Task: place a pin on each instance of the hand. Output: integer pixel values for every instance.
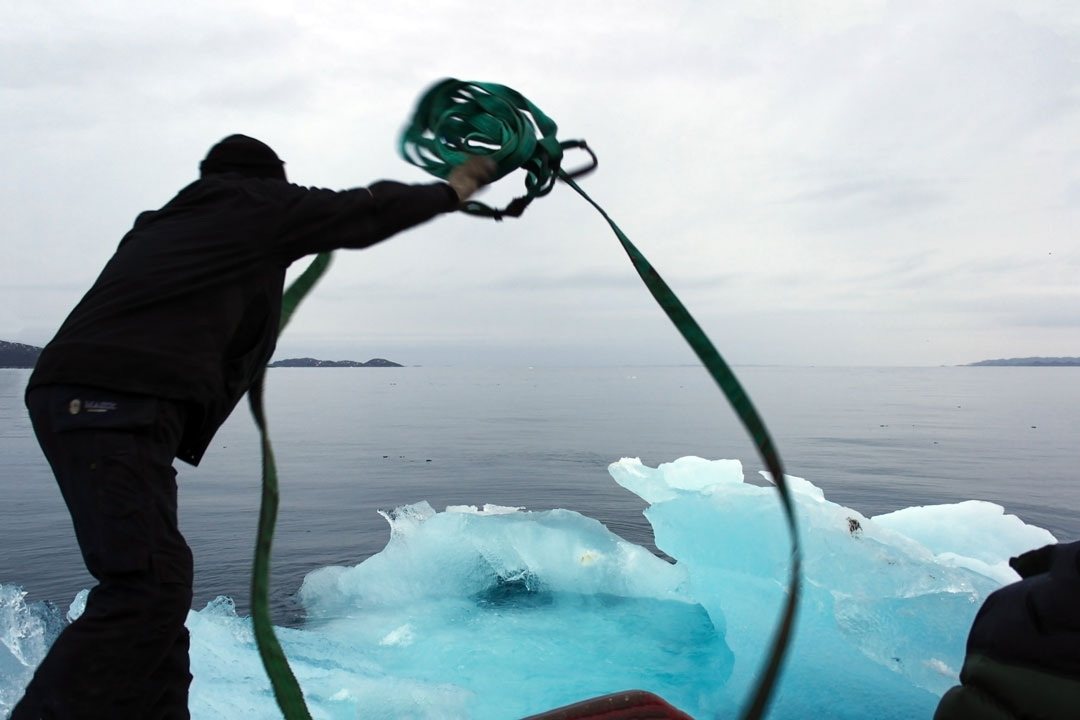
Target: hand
(469, 176)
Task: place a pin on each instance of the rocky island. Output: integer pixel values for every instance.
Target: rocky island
(1029, 362)
(17, 355)
(312, 362)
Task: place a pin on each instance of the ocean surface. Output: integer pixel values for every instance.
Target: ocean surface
(351, 441)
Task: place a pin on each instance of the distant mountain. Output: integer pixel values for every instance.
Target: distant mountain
(312, 362)
(17, 355)
(1029, 362)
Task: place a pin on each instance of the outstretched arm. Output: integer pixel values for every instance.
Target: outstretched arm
(318, 220)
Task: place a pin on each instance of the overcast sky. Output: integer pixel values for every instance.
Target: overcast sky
(826, 183)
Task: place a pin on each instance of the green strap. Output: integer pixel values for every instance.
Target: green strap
(455, 118)
(287, 691)
(755, 426)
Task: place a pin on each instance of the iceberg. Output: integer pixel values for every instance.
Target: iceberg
(26, 632)
(499, 612)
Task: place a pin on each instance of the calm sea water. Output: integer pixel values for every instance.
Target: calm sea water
(352, 440)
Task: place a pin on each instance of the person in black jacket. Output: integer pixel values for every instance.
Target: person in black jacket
(145, 369)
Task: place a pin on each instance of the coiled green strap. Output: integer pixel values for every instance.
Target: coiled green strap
(456, 118)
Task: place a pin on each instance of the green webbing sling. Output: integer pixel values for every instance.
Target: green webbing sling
(453, 120)
(287, 691)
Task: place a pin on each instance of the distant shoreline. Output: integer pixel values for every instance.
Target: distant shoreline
(21, 356)
(1029, 362)
(18, 356)
(312, 362)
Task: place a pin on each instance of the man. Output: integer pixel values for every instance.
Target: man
(145, 369)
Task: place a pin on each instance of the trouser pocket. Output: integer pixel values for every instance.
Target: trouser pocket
(124, 522)
(101, 447)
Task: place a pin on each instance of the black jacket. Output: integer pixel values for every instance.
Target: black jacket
(1023, 652)
(189, 305)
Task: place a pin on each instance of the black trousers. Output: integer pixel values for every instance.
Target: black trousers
(127, 655)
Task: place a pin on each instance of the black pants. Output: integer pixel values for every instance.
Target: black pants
(127, 655)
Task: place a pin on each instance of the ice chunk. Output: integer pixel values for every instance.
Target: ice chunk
(973, 534)
(26, 632)
(673, 479)
(488, 509)
(462, 554)
(870, 590)
(496, 612)
(480, 615)
(78, 605)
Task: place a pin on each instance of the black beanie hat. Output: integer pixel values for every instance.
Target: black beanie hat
(244, 155)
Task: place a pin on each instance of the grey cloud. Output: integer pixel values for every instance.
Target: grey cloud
(289, 94)
(901, 176)
(599, 279)
(1050, 315)
(1072, 194)
(868, 199)
(58, 52)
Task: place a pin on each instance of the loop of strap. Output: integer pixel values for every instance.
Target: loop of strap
(453, 120)
(456, 119)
